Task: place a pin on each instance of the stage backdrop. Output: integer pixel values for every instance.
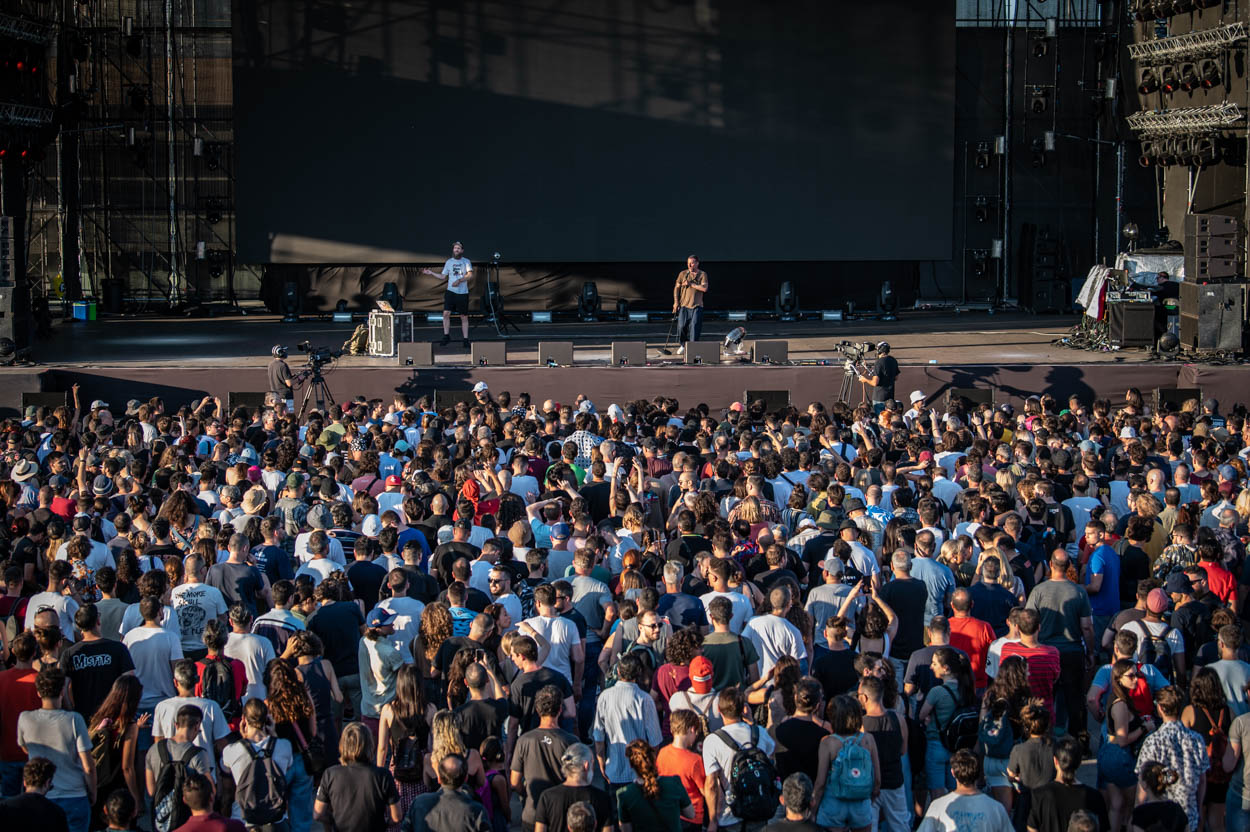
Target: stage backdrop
(601, 130)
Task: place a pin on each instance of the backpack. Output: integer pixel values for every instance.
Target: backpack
(261, 791)
(753, 791)
(995, 733)
(409, 753)
(217, 684)
(1156, 650)
(962, 730)
(850, 777)
(168, 810)
(14, 621)
(1217, 744)
(645, 651)
(106, 751)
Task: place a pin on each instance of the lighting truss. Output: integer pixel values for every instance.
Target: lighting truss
(1189, 120)
(24, 115)
(1191, 44)
(22, 29)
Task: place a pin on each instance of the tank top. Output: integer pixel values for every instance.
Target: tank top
(318, 685)
(888, 736)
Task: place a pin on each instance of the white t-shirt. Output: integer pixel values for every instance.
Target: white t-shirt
(454, 269)
(133, 619)
(718, 757)
(334, 554)
(98, 557)
(152, 649)
(195, 604)
(512, 604)
(65, 608)
(741, 606)
(562, 634)
(774, 637)
(319, 569)
(254, 652)
(213, 726)
(956, 812)
(407, 613)
(236, 758)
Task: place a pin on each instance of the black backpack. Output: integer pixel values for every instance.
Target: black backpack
(409, 755)
(1155, 649)
(261, 791)
(168, 810)
(217, 684)
(753, 790)
(963, 729)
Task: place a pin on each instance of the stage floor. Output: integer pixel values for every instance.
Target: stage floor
(180, 359)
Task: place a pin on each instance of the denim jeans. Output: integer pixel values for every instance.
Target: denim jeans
(891, 811)
(11, 778)
(590, 684)
(689, 323)
(937, 766)
(350, 686)
(1236, 814)
(300, 796)
(77, 813)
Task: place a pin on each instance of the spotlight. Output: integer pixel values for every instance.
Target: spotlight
(622, 309)
(390, 294)
(1169, 343)
(588, 302)
(1188, 76)
(1204, 150)
(1131, 232)
(1210, 72)
(888, 302)
(213, 212)
(733, 341)
(341, 315)
(1182, 6)
(979, 264)
(983, 156)
(1149, 81)
(1170, 81)
(289, 303)
(1039, 100)
(787, 301)
(1040, 48)
(1038, 149)
(982, 210)
(1149, 153)
(1168, 152)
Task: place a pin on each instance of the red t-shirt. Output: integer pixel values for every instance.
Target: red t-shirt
(974, 637)
(17, 694)
(212, 822)
(63, 507)
(688, 766)
(237, 670)
(1220, 581)
(1043, 662)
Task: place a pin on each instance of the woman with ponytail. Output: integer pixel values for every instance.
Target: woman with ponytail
(1123, 731)
(1158, 812)
(651, 802)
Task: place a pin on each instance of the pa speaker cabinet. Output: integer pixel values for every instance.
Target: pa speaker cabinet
(558, 353)
(251, 401)
(770, 352)
(702, 352)
(972, 395)
(1211, 247)
(1131, 324)
(773, 400)
(629, 353)
(489, 353)
(1172, 399)
(49, 400)
(1212, 316)
(444, 399)
(1215, 225)
(416, 354)
(1210, 268)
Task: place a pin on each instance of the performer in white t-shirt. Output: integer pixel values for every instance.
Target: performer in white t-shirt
(456, 271)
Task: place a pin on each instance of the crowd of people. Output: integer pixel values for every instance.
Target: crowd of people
(652, 616)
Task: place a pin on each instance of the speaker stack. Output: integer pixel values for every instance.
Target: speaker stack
(1213, 296)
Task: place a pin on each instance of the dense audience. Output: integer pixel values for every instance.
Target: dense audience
(651, 617)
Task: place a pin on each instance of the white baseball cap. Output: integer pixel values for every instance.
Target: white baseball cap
(916, 396)
(480, 387)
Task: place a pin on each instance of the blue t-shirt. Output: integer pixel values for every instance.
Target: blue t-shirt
(1104, 561)
(682, 610)
(1155, 680)
(938, 580)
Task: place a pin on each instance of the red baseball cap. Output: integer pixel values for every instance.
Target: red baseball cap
(701, 672)
(393, 480)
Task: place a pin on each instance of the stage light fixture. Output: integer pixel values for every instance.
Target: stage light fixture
(1040, 48)
(888, 301)
(588, 302)
(1206, 4)
(341, 315)
(1169, 152)
(638, 317)
(979, 265)
(289, 304)
(1204, 150)
(1182, 6)
(1149, 155)
(787, 301)
(1039, 100)
(622, 309)
(733, 341)
(1209, 69)
(1188, 76)
(737, 315)
(540, 317)
(213, 212)
(1038, 149)
(981, 211)
(1143, 10)
(1149, 81)
(1169, 81)
(983, 156)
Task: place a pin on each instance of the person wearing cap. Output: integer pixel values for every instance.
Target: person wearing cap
(392, 499)
(700, 697)
(481, 392)
(916, 400)
(1189, 615)
(1163, 638)
(378, 661)
(881, 377)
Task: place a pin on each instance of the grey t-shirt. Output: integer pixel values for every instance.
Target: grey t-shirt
(1239, 785)
(201, 762)
(59, 736)
(537, 757)
(1234, 676)
(1061, 605)
(1034, 762)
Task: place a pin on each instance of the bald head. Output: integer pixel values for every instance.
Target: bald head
(451, 771)
(961, 601)
(475, 677)
(481, 626)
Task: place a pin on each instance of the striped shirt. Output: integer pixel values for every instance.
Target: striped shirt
(1043, 662)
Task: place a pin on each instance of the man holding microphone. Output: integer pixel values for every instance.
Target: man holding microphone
(688, 302)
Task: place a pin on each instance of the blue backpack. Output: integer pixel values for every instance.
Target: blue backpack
(995, 733)
(850, 778)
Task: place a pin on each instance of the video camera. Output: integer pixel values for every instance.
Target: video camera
(855, 350)
(318, 356)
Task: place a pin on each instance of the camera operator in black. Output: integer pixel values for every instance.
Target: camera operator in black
(884, 374)
(281, 385)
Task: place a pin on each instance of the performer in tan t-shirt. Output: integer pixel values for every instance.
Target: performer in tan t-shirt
(688, 302)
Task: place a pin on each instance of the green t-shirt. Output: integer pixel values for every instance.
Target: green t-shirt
(725, 654)
(661, 815)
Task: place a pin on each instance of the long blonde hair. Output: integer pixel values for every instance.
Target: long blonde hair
(1006, 578)
(445, 738)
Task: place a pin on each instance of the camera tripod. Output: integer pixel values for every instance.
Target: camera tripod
(317, 391)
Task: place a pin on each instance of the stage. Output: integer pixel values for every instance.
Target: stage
(179, 359)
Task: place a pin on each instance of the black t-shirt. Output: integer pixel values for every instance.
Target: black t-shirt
(421, 586)
(793, 826)
(886, 371)
(279, 373)
(358, 795)
(92, 667)
(768, 580)
(554, 805)
(907, 598)
(597, 500)
(447, 554)
(481, 718)
(579, 621)
(526, 686)
(338, 626)
(238, 582)
(835, 670)
(1054, 803)
(366, 578)
(453, 645)
(1194, 622)
(1164, 816)
(686, 548)
(1134, 567)
(798, 745)
(34, 811)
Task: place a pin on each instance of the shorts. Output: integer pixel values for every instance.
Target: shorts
(996, 772)
(1116, 766)
(455, 303)
(851, 814)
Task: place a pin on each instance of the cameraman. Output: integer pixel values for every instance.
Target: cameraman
(281, 383)
(884, 374)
